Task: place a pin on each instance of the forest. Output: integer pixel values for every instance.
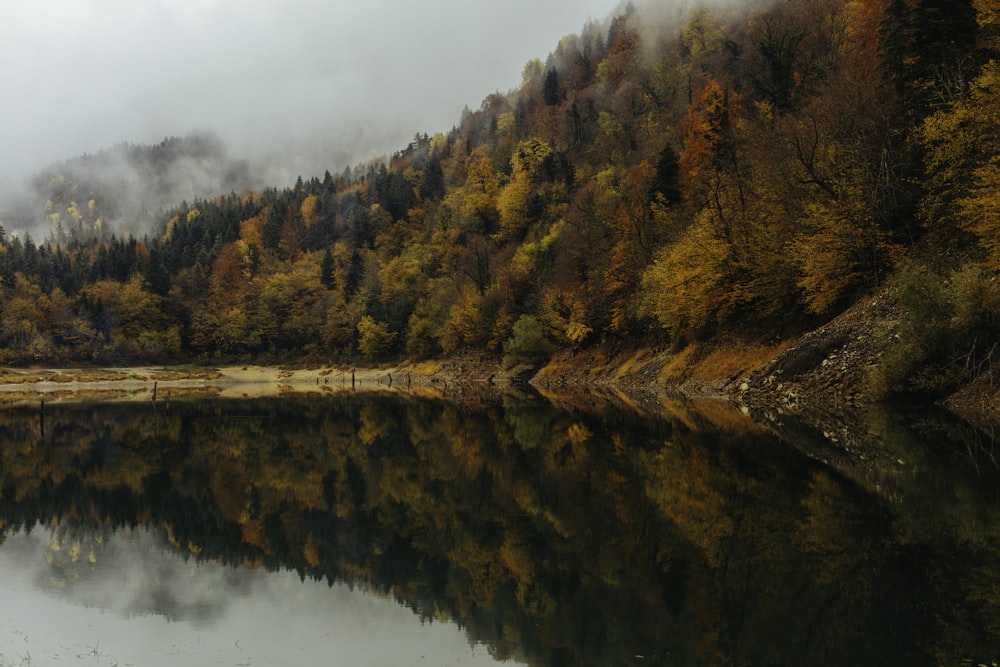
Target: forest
(659, 179)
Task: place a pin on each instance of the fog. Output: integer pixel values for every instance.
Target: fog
(110, 598)
(302, 85)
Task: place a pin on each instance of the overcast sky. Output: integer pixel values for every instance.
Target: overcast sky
(82, 75)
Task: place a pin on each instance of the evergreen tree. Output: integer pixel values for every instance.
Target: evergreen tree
(275, 223)
(924, 46)
(155, 274)
(432, 184)
(550, 88)
(667, 181)
(326, 269)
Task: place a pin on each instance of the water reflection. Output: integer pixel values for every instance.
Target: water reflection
(556, 537)
(126, 597)
(127, 572)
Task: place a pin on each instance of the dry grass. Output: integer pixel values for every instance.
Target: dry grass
(734, 359)
(679, 364)
(632, 363)
(8, 378)
(189, 392)
(65, 394)
(586, 363)
(426, 367)
(92, 377)
(175, 375)
(95, 376)
(14, 377)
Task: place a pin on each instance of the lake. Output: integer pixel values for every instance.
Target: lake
(393, 529)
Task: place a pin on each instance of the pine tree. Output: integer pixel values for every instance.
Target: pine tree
(155, 274)
(924, 48)
(326, 269)
(668, 174)
(550, 88)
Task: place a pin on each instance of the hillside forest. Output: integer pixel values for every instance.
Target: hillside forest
(660, 179)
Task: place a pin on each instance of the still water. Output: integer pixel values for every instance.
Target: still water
(387, 529)
(123, 598)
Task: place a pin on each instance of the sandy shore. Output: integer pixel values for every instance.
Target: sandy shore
(146, 383)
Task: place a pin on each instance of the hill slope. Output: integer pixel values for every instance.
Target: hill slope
(656, 182)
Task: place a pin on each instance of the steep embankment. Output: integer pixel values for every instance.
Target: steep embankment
(826, 369)
(817, 388)
(828, 372)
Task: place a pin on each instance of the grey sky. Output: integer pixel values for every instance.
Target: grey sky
(82, 75)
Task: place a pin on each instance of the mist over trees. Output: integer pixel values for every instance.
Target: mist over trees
(657, 178)
(124, 189)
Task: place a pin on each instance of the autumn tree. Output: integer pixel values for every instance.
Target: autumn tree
(475, 201)
(519, 203)
(924, 46)
(962, 160)
(374, 338)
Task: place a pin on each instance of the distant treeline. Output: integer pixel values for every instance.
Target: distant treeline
(653, 181)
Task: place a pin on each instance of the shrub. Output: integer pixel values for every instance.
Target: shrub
(947, 334)
(528, 343)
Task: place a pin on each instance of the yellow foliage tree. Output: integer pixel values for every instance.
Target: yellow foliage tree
(374, 338)
(475, 201)
(689, 281)
(514, 201)
(139, 310)
(464, 326)
(310, 210)
(963, 160)
(252, 229)
(831, 256)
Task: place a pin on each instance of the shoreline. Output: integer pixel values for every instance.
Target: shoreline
(144, 383)
(818, 377)
(839, 433)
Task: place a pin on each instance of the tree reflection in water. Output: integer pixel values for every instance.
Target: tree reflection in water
(561, 537)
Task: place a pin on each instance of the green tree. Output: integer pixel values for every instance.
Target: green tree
(528, 344)
(326, 270)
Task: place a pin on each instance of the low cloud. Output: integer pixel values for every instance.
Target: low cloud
(312, 83)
